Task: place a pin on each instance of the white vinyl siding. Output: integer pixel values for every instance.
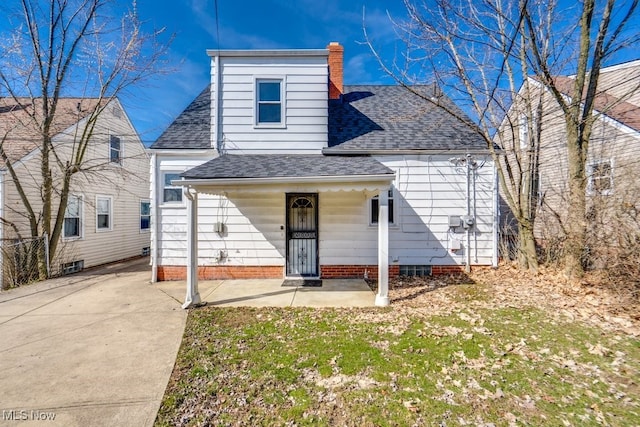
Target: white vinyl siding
(429, 189)
(304, 105)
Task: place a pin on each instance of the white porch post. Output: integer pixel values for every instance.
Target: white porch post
(382, 298)
(193, 296)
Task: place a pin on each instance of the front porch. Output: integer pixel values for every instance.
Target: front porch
(271, 293)
(290, 228)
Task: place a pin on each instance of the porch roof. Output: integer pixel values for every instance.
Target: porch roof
(257, 167)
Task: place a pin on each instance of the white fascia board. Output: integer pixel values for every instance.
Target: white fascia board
(329, 151)
(282, 180)
(182, 151)
(271, 53)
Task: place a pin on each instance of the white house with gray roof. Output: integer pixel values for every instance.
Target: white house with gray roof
(278, 170)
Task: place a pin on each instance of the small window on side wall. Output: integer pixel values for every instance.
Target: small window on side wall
(103, 213)
(269, 102)
(145, 215)
(73, 218)
(171, 193)
(115, 149)
(375, 206)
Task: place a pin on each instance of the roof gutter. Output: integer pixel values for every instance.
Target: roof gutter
(182, 151)
(283, 180)
(342, 152)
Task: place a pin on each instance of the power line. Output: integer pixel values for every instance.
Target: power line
(217, 26)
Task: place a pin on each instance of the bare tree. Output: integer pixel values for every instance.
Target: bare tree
(68, 48)
(481, 52)
(595, 34)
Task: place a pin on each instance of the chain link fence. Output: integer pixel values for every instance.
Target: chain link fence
(24, 261)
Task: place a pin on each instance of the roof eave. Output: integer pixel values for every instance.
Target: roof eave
(350, 152)
(284, 180)
(271, 53)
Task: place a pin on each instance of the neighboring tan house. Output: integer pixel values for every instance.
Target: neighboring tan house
(613, 165)
(108, 213)
(284, 172)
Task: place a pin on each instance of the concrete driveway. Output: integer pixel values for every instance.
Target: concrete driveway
(88, 350)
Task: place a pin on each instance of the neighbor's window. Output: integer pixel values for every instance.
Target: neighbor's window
(145, 215)
(375, 207)
(269, 102)
(171, 193)
(72, 217)
(115, 149)
(523, 128)
(103, 213)
(600, 176)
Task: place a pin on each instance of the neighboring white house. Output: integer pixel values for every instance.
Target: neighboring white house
(107, 217)
(285, 172)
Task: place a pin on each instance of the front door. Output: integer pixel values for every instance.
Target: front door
(302, 235)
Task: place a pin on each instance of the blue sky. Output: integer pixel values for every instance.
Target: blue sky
(264, 24)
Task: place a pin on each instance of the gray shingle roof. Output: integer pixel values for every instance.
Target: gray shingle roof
(286, 165)
(373, 117)
(368, 118)
(192, 128)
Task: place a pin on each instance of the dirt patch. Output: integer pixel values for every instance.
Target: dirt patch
(613, 307)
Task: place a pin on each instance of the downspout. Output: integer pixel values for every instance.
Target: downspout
(467, 267)
(154, 218)
(496, 217)
(192, 299)
(2, 236)
(215, 104)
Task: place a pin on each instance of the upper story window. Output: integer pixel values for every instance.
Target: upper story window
(115, 149)
(171, 193)
(375, 205)
(269, 105)
(600, 177)
(73, 217)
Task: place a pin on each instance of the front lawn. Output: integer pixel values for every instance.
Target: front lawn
(452, 356)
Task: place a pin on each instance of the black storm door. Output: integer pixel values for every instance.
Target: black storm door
(302, 235)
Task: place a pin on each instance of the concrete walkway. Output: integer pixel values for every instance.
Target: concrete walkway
(98, 348)
(271, 293)
(94, 349)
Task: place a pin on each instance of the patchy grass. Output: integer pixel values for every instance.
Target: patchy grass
(473, 364)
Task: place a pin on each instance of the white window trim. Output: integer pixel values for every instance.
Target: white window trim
(590, 189)
(161, 188)
(523, 132)
(393, 197)
(283, 102)
(81, 217)
(144, 230)
(110, 198)
(121, 162)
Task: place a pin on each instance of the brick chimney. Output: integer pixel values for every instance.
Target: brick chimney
(336, 74)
